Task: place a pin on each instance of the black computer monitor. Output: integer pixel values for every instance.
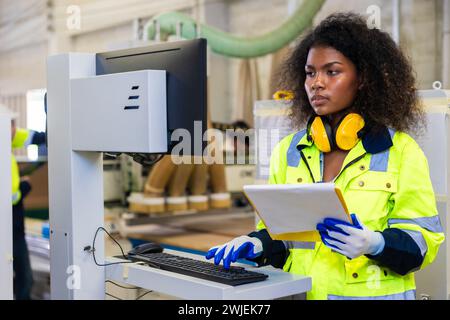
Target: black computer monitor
(185, 64)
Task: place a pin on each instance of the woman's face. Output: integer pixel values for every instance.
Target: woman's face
(331, 80)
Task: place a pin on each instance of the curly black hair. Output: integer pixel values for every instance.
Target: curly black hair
(388, 96)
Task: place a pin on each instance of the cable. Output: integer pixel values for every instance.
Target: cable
(108, 264)
(132, 288)
(138, 298)
(120, 286)
(112, 296)
(93, 249)
(143, 294)
(146, 159)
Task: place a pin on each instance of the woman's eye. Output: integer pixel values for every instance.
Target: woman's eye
(309, 74)
(333, 72)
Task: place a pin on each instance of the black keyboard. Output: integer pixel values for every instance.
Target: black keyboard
(200, 269)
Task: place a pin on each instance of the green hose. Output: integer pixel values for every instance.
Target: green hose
(231, 46)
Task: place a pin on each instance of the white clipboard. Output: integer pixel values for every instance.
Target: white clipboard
(292, 211)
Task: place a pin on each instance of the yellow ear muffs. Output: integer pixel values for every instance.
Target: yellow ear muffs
(344, 137)
(347, 131)
(320, 132)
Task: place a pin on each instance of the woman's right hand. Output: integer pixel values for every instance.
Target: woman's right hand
(238, 248)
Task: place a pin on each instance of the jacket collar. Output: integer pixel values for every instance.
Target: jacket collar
(372, 142)
(378, 141)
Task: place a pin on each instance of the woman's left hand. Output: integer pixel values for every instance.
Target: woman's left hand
(350, 240)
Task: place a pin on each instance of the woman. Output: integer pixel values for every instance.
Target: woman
(355, 91)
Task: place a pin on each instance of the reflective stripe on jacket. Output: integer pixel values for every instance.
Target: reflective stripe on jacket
(387, 184)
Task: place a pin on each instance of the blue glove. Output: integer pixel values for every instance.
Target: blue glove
(332, 224)
(238, 248)
(350, 240)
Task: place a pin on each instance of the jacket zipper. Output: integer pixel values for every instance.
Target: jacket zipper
(307, 166)
(349, 164)
(346, 166)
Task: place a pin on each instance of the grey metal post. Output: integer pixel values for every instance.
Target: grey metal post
(75, 189)
(6, 270)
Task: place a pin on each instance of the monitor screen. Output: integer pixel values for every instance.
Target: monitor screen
(185, 64)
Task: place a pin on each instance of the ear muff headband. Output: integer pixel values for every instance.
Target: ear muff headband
(345, 137)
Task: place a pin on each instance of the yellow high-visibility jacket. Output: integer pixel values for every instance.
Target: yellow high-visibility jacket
(21, 139)
(384, 180)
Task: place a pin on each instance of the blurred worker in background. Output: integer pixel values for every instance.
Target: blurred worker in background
(23, 278)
